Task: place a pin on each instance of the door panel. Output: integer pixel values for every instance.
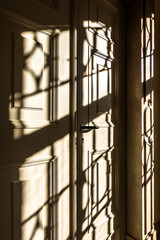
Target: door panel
(98, 194)
(34, 120)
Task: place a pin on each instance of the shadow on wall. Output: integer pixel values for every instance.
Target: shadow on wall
(147, 66)
(38, 135)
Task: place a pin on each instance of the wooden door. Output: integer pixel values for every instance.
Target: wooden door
(99, 115)
(34, 119)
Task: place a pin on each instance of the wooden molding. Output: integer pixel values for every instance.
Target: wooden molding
(129, 237)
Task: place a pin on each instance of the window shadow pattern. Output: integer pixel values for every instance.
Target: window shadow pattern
(34, 141)
(97, 203)
(96, 171)
(147, 63)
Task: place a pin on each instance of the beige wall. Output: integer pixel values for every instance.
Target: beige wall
(134, 94)
(140, 145)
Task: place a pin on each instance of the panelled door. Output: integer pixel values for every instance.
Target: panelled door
(34, 119)
(98, 112)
